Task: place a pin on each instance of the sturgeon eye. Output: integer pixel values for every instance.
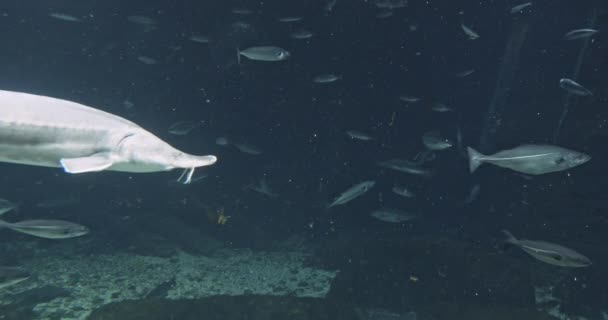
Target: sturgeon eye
(560, 160)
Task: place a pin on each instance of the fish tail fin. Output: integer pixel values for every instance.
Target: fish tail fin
(510, 237)
(474, 159)
(238, 55)
(4, 224)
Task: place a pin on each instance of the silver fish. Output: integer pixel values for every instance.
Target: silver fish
(354, 134)
(290, 19)
(530, 159)
(406, 166)
(472, 35)
(222, 141)
(264, 53)
(247, 148)
(408, 98)
(12, 275)
(326, 78)
(353, 192)
(263, 188)
(64, 17)
(465, 73)
(403, 191)
(440, 107)
(199, 38)
(383, 14)
(391, 4)
(147, 60)
(392, 215)
(49, 229)
(520, 7)
(473, 194)
(433, 141)
(580, 34)
(574, 88)
(301, 34)
(6, 206)
(182, 128)
(549, 252)
(141, 20)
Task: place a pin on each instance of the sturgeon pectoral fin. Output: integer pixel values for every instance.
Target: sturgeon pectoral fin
(96, 162)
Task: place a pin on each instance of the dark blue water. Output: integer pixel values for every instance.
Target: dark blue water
(449, 263)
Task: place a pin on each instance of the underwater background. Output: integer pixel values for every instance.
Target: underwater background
(253, 236)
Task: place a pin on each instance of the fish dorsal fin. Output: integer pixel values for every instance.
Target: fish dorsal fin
(96, 162)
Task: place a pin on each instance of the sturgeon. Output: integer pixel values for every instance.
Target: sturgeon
(49, 132)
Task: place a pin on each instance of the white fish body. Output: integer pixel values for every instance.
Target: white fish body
(530, 159)
(403, 191)
(44, 131)
(64, 17)
(49, 229)
(520, 7)
(392, 215)
(580, 34)
(574, 87)
(471, 34)
(358, 135)
(264, 53)
(550, 252)
(353, 192)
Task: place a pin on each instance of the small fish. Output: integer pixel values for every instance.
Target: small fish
(405, 166)
(301, 34)
(403, 191)
(49, 229)
(141, 20)
(64, 17)
(247, 148)
(290, 19)
(329, 6)
(465, 73)
(383, 14)
(549, 252)
(408, 98)
(326, 78)
(530, 159)
(242, 11)
(440, 107)
(574, 88)
(199, 38)
(520, 7)
(264, 53)
(6, 206)
(182, 128)
(391, 4)
(147, 60)
(222, 141)
(473, 194)
(580, 34)
(263, 188)
(472, 35)
(358, 135)
(12, 275)
(353, 192)
(433, 141)
(392, 215)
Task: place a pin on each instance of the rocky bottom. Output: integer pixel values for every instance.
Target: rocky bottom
(72, 287)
